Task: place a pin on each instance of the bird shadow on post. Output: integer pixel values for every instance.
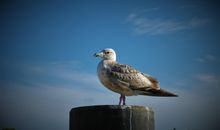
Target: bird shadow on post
(111, 117)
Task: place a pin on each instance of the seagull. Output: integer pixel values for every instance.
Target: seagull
(126, 80)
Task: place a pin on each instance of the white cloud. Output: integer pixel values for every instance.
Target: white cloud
(154, 26)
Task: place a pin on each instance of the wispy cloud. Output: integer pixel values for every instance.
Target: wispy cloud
(49, 102)
(64, 72)
(54, 74)
(154, 26)
(207, 58)
(187, 6)
(46, 92)
(211, 79)
(137, 12)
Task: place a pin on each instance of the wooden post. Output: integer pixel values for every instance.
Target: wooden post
(111, 117)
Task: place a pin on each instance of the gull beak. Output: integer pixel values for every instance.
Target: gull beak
(98, 54)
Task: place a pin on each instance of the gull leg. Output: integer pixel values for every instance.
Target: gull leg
(123, 98)
(120, 99)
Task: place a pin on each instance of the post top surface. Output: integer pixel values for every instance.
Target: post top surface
(117, 107)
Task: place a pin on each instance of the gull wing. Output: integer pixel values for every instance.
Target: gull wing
(132, 78)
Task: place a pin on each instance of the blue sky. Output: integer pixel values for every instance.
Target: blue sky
(47, 64)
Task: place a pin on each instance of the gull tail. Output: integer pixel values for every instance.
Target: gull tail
(160, 93)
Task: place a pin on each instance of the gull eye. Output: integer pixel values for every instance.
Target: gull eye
(107, 52)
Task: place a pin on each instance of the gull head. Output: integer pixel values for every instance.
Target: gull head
(106, 54)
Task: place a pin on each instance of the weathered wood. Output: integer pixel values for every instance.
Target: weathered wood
(111, 117)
